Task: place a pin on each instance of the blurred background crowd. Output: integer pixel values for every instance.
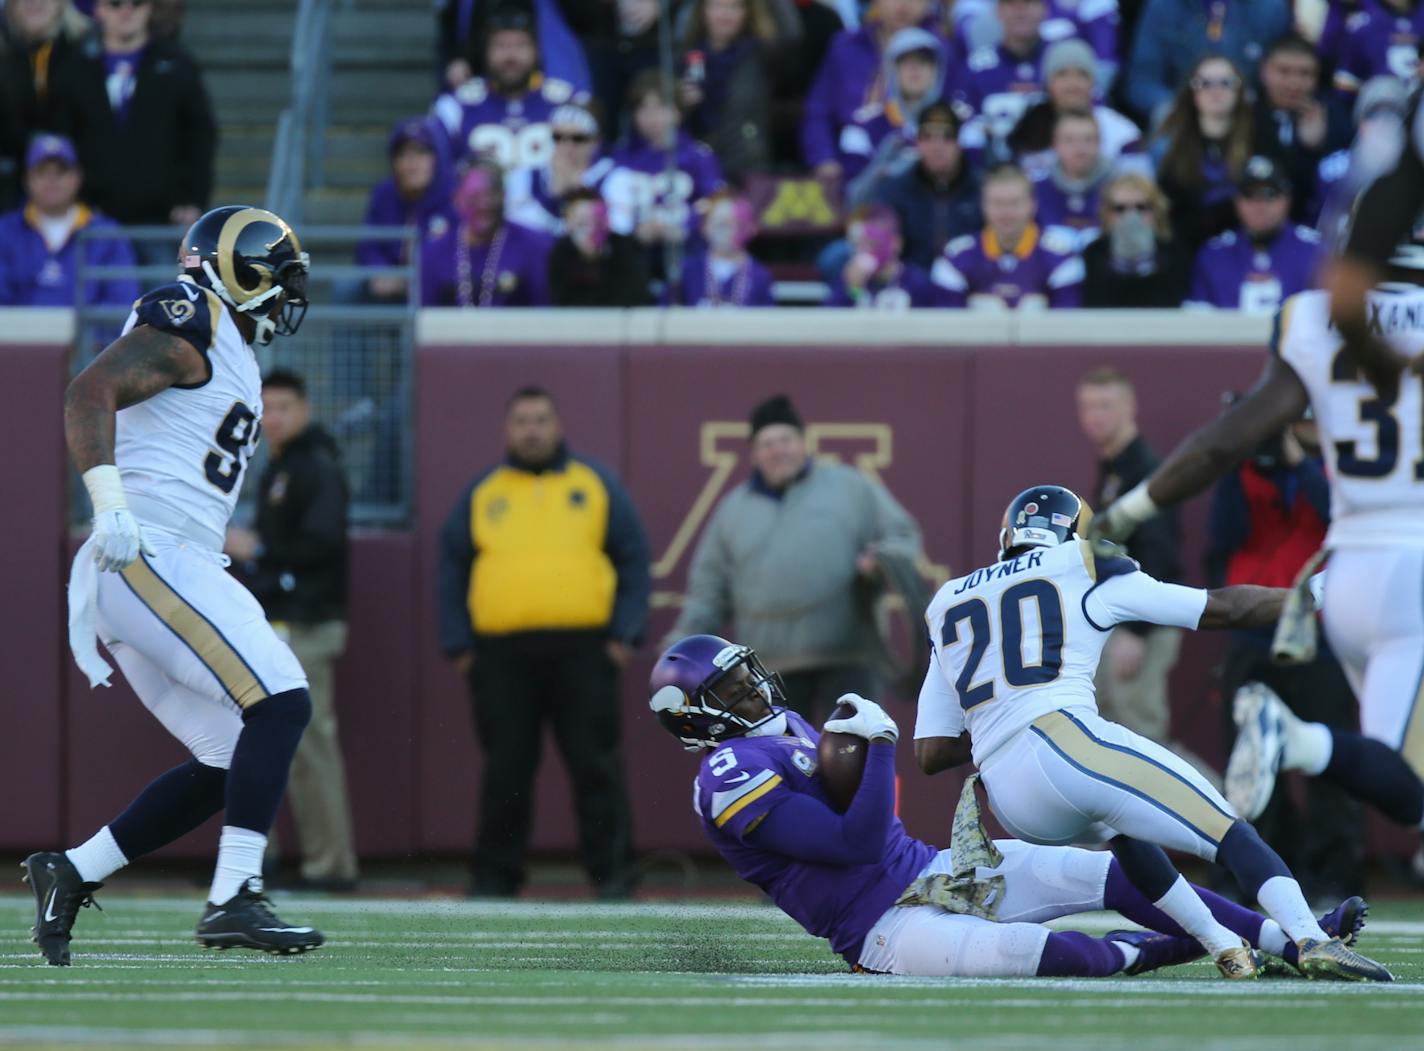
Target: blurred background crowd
(989, 154)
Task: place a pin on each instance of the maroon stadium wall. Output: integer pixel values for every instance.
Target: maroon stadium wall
(954, 432)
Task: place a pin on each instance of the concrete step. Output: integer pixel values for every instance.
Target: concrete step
(331, 206)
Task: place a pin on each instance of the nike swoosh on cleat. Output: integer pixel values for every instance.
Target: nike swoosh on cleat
(286, 930)
(49, 917)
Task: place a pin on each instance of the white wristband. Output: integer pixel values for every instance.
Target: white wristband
(106, 489)
(1136, 504)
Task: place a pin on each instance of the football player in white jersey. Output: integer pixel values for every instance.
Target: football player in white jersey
(1373, 441)
(161, 425)
(1014, 648)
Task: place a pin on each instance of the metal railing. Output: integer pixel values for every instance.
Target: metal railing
(299, 146)
(353, 350)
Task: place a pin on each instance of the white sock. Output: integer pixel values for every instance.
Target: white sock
(1281, 897)
(1273, 939)
(1308, 747)
(1130, 953)
(239, 859)
(1185, 906)
(98, 858)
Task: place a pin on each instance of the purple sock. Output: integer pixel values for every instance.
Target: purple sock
(1070, 954)
(1121, 896)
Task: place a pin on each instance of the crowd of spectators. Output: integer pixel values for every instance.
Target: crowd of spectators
(988, 154)
(104, 119)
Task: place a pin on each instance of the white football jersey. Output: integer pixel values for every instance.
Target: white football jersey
(181, 453)
(1374, 450)
(1022, 637)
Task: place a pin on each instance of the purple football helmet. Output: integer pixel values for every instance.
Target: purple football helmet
(683, 691)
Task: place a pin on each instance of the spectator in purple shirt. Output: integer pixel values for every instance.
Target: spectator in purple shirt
(1135, 262)
(880, 136)
(39, 244)
(1381, 40)
(463, 26)
(1255, 267)
(936, 198)
(535, 196)
(851, 77)
(999, 83)
(875, 276)
(484, 260)
(726, 275)
(416, 194)
(1095, 22)
(1012, 265)
(1069, 71)
(505, 115)
(731, 52)
(1067, 194)
(590, 265)
(1202, 148)
(644, 198)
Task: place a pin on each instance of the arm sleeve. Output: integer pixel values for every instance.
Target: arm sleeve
(321, 532)
(1136, 596)
(708, 603)
(802, 827)
(457, 559)
(818, 131)
(627, 547)
(939, 713)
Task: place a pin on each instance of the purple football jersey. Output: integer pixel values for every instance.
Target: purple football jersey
(741, 782)
(1095, 22)
(1070, 209)
(514, 132)
(862, 138)
(707, 283)
(1378, 42)
(511, 270)
(1232, 273)
(1042, 269)
(999, 85)
(639, 186)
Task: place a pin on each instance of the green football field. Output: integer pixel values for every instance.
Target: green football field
(428, 973)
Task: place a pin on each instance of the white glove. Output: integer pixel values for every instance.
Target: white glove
(869, 721)
(117, 537)
(117, 540)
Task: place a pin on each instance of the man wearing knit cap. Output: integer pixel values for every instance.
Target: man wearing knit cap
(784, 557)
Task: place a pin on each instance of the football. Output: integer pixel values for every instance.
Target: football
(840, 762)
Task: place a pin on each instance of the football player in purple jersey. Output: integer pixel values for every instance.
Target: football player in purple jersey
(887, 902)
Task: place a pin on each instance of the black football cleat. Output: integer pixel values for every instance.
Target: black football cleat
(60, 892)
(246, 921)
(1346, 920)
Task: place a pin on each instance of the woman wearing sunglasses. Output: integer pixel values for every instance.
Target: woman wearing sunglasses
(1135, 262)
(1202, 148)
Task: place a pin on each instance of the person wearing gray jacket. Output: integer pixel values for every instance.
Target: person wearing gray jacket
(789, 558)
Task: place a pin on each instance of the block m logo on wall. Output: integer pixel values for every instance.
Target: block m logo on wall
(722, 449)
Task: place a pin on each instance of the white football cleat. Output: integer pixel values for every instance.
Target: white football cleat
(1256, 757)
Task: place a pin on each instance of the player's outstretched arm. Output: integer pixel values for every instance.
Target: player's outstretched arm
(1243, 606)
(133, 368)
(1279, 398)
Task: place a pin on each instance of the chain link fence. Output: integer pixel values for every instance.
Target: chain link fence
(354, 350)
